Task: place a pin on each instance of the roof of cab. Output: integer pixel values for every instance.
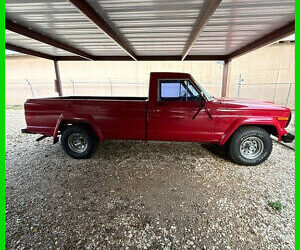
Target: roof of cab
(170, 74)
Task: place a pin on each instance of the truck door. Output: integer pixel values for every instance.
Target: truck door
(177, 105)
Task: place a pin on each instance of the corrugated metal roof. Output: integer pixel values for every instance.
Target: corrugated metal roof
(238, 22)
(152, 27)
(28, 43)
(149, 27)
(62, 21)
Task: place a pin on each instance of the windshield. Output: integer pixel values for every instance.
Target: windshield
(203, 91)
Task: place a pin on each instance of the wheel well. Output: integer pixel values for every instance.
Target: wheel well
(269, 128)
(63, 125)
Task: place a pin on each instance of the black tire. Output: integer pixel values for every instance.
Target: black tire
(84, 135)
(250, 145)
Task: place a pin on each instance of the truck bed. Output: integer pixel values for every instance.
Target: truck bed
(116, 117)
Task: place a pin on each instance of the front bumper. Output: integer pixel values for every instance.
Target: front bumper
(288, 138)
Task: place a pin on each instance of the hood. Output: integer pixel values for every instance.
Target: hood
(250, 104)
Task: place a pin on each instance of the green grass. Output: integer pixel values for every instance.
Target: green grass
(276, 205)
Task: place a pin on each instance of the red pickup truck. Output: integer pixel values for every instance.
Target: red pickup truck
(177, 109)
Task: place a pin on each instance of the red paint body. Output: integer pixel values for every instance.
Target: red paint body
(152, 119)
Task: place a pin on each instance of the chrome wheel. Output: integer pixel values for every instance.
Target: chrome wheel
(78, 142)
(251, 147)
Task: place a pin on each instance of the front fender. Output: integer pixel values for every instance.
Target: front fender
(252, 121)
(82, 118)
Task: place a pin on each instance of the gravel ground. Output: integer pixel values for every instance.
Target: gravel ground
(141, 195)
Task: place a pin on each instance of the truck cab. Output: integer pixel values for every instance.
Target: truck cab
(176, 110)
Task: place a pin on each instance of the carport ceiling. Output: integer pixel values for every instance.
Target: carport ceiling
(145, 29)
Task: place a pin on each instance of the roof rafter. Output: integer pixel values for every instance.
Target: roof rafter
(265, 40)
(98, 20)
(24, 31)
(28, 51)
(209, 8)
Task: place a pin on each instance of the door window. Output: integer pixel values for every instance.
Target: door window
(177, 90)
(172, 90)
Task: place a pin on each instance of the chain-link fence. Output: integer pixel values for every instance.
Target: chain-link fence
(105, 87)
(264, 87)
(241, 87)
(18, 91)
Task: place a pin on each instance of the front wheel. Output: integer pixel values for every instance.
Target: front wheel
(250, 146)
(78, 142)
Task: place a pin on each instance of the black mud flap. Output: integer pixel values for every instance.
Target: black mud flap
(55, 140)
(41, 138)
(288, 138)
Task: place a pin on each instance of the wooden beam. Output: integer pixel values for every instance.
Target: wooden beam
(28, 51)
(58, 87)
(25, 31)
(98, 20)
(265, 40)
(147, 58)
(209, 8)
(226, 77)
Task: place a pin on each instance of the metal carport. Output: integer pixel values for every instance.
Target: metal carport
(145, 29)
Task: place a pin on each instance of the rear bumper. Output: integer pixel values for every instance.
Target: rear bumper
(288, 138)
(25, 130)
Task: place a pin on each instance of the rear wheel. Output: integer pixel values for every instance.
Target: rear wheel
(78, 142)
(250, 145)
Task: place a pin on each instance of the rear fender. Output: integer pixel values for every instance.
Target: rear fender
(67, 118)
(252, 121)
